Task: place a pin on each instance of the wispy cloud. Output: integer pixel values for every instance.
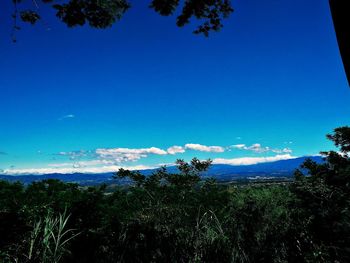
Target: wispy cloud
(252, 160)
(284, 150)
(175, 149)
(238, 146)
(110, 159)
(86, 163)
(68, 116)
(3, 153)
(258, 148)
(204, 148)
(72, 169)
(119, 155)
(101, 166)
(73, 155)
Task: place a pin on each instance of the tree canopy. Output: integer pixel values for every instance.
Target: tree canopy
(104, 13)
(178, 217)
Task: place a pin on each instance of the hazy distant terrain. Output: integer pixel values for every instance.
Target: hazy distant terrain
(221, 172)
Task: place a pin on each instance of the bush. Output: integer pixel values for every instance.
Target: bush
(177, 217)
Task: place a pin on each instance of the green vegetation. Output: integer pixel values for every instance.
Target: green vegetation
(179, 218)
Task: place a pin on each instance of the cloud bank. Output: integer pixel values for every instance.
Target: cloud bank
(72, 169)
(204, 148)
(119, 155)
(105, 167)
(252, 160)
(103, 160)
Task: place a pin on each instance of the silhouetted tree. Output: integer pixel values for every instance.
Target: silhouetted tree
(323, 199)
(177, 217)
(104, 13)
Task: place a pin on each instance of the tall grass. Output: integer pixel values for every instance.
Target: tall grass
(47, 242)
(208, 234)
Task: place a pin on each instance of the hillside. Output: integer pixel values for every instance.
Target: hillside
(221, 172)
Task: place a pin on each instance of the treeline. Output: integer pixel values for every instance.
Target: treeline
(179, 218)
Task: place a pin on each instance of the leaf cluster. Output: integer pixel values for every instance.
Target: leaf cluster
(104, 13)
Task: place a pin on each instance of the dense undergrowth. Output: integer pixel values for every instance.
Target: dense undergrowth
(179, 218)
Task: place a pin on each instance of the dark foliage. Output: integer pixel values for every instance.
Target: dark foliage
(104, 13)
(169, 217)
(323, 195)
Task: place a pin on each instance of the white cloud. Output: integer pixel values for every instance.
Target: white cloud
(110, 159)
(68, 116)
(258, 148)
(238, 146)
(252, 160)
(111, 151)
(75, 154)
(204, 148)
(108, 156)
(175, 149)
(82, 163)
(284, 150)
(90, 167)
(127, 154)
(76, 169)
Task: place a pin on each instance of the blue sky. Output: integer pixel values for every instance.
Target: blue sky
(269, 86)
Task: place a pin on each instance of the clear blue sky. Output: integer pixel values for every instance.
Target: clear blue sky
(84, 98)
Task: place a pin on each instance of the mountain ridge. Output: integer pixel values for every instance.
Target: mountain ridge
(221, 172)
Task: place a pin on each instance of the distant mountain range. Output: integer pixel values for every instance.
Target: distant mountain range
(221, 172)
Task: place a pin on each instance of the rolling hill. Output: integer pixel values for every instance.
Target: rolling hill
(221, 172)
